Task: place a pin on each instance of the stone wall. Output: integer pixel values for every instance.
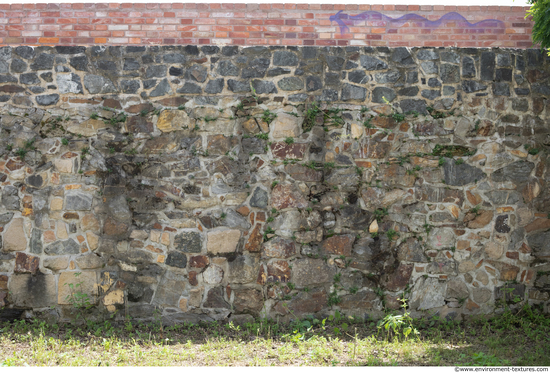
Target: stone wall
(206, 182)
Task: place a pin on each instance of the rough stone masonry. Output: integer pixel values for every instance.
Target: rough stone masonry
(201, 183)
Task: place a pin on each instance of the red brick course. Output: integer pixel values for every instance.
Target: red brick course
(255, 24)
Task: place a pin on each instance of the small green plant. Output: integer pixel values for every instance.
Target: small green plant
(395, 324)
(380, 213)
(21, 153)
(64, 141)
(391, 234)
(77, 298)
(459, 161)
(223, 215)
(268, 116)
(475, 210)
(94, 116)
(262, 136)
(9, 147)
(289, 140)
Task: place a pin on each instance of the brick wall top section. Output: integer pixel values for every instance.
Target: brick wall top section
(265, 24)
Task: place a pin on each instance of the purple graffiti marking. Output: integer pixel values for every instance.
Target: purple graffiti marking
(344, 20)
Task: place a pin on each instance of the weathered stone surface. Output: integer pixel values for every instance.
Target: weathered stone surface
(90, 261)
(27, 290)
(213, 275)
(397, 280)
(220, 242)
(479, 219)
(287, 196)
(244, 269)
(285, 125)
(174, 120)
(428, 293)
(279, 248)
(248, 301)
(307, 272)
(188, 242)
(76, 201)
(338, 245)
(88, 285)
(411, 251)
(14, 238)
(461, 174)
(63, 247)
(26, 263)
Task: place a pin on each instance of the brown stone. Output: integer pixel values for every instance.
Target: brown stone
(220, 144)
(113, 227)
(370, 148)
(137, 109)
(308, 271)
(286, 125)
(384, 122)
(397, 280)
(26, 263)
(173, 120)
(243, 210)
(538, 224)
(471, 305)
(278, 271)
(287, 195)
(283, 150)
(279, 247)
(304, 303)
(248, 301)
(198, 261)
(479, 220)
(508, 272)
(139, 124)
(255, 240)
(89, 222)
(302, 173)
(250, 126)
(363, 300)
(193, 278)
(87, 285)
(173, 101)
(71, 216)
(338, 245)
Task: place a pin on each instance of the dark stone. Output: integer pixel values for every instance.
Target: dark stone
(214, 299)
(401, 55)
(470, 86)
(448, 90)
(30, 78)
(42, 62)
(388, 77)
(210, 49)
(129, 86)
(503, 75)
(18, 66)
(150, 83)
(468, 67)
(46, 100)
(501, 89)
(501, 224)
(522, 91)
(449, 73)
(372, 63)
(36, 241)
(449, 56)
(427, 54)
(430, 94)
(155, 71)
(328, 95)
(434, 82)
(47, 77)
(238, 86)
(131, 64)
(335, 63)
(352, 92)
(291, 84)
(461, 174)
(517, 172)
(430, 67)
(79, 63)
(410, 105)
(313, 83)
(192, 50)
(259, 198)
(107, 66)
(358, 76)
(379, 93)
(300, 97)
(197, 73)
(176, 259)
(332, 79)
(230, 51)
(412, 77)
(190, 88)
(188, 242)
(9, 79)
(214, 86)
(277, 71)
(487, 65)
(264, 87)
(285, 58)
(62, 49)
(175, 71)
(409, 91)
(25, 52)
(162, 88)
(174, 58)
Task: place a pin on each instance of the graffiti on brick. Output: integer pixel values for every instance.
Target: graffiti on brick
(344, 20)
